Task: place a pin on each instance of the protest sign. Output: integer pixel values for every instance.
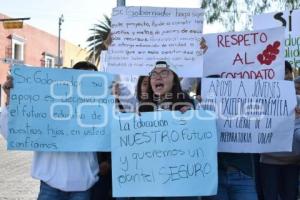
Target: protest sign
(254, 116)
(289, 20)
(59, 110)
(249, 55)
(164, 154)
(143, 35)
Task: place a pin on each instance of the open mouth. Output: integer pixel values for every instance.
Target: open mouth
(159, 86)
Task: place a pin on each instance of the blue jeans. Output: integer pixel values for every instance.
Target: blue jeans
(234, 185)
(279, 180)
(49, 193)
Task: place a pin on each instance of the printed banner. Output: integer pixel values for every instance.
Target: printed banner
(143, 35)
(59, 110)
(164, 154)
(247, 55)
(289, 20)
(254, 116)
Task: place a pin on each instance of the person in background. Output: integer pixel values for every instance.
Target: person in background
(142, 88)
(289, 75)
(280, 171)
(129, 103)
(288, 72)
(63, 176)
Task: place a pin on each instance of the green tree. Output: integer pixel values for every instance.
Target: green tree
(231, 12)
(96, 44)
(291, 4)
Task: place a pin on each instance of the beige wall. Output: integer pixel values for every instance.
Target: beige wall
(73, 54)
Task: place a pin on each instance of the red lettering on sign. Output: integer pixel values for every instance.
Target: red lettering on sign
(246, 39)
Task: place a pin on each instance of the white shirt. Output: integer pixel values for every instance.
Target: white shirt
(63, 171)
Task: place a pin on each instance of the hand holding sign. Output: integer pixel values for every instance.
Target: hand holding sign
(8, 84)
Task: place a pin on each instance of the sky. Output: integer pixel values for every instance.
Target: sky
(79, 15)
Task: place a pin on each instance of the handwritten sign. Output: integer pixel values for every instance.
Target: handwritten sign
(289, 20)
(253, 115)
(247, 55)
(143, 35)
(59, 110)
(164, 154)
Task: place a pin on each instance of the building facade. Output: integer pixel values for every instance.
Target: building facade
(34, 47)
(73, 53)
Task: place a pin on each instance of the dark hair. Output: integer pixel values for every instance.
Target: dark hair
(288, 67)
(178, 96)
(139, 87)
(85, 65)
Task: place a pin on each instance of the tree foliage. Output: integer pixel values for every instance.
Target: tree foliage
(230, 12)
(99, 33)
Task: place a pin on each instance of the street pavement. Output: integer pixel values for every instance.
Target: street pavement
(15, 180)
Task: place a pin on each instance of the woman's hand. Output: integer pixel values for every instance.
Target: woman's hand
(8, 84)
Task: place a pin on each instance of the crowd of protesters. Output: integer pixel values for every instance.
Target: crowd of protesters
(244, 176)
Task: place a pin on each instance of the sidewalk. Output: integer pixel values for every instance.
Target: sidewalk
(15, 180)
